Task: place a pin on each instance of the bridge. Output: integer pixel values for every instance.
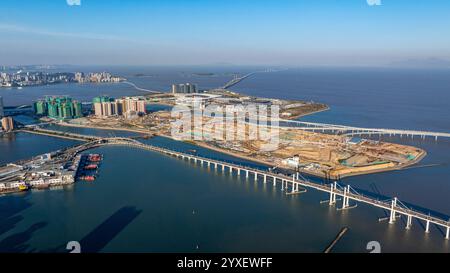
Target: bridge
(353, 131)
(141, 89)
(295, 185)
(238, 79)
(60, 134)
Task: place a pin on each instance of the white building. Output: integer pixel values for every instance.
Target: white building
(292, 162)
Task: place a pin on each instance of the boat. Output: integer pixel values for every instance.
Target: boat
(91, 167)
(95, 158)
(88, 178)
(23, 187)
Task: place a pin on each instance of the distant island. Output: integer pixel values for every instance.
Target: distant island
(204, 74)
(143, 75)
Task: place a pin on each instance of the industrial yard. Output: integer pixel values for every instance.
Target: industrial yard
(61, 168)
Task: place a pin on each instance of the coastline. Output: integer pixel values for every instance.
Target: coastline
(262, 162)
(311, 113)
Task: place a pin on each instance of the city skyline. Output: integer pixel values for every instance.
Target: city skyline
(213, 32)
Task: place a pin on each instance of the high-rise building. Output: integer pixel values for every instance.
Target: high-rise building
(8, 124)
(52, 110)
(175, 88)
(108, 108)
(77, 109)
(2, 111)
(58, 108)
(66, 110)
(105, 106)
(134, 104)
(40, 108)
(184, 88)
(98, 109)
(120, 107)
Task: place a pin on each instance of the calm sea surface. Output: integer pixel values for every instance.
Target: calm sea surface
(146, 202)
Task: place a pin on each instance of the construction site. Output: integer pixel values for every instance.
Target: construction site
(325, 155)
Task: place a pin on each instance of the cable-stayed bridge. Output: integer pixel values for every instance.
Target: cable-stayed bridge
(297, 184)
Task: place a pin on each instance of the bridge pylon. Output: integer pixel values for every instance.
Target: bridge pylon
(393, 205)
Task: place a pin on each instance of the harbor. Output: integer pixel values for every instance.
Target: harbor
(59, 168)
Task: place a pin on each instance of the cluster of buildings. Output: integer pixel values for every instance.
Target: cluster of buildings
(61, 108)
(21, 79)
(102, 77)
(128, 106)
(186, 88)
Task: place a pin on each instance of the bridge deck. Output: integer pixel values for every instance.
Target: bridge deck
(304, 183)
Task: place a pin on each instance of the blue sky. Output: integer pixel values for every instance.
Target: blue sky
(275, 32)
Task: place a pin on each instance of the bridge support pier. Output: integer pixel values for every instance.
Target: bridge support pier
(447, 234)
(265, 179)
(427, 228)
(246, 173)
(348, 198)
(256, 176)
(294, 187)
(274, 181)
(409, 222)
(332, 194)
(282, 185)
(345, 201)
(238, 172)
(231, 169)
(392, 216)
